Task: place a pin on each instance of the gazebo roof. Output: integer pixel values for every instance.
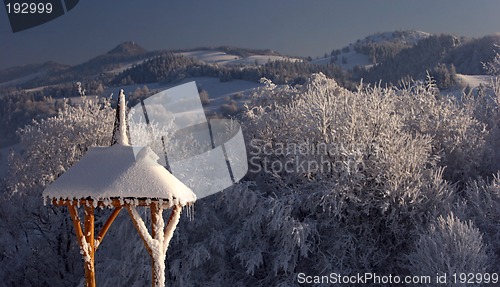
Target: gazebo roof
(119, 171)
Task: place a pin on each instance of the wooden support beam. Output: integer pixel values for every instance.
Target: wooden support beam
(159, 238)
(156, 232)
(89, 238)
(141, 228)
(173, 220)
(83, 237)
(76, 223)
(106, 226)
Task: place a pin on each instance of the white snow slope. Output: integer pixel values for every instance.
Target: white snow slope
(222, 58)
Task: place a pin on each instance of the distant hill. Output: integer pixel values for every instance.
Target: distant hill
(387, 56)
(128, 49)
(413, 61)
(392, 56)
(373, 49)
(408, 37)
(35, 91)
(469, 56)
(101, 68)
(17, 75)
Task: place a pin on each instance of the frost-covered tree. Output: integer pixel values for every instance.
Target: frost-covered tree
(450, 246)
(36, 244)
(339, 181)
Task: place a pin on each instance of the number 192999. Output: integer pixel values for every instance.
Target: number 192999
(29, 8)
(475, 278)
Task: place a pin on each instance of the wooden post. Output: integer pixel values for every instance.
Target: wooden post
(106, 226)
(87, 248)
(157, 242)
(89, 238)
(157, 234)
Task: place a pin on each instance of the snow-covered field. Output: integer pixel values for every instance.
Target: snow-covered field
(473, 80)
(408, 37)
(222, 58)
(346, 60)
(219, 92)
(125, 67)
(21, 80)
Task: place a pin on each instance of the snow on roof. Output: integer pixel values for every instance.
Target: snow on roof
(119, 171)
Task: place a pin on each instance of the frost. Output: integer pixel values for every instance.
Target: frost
(158, 245)
(122, 132)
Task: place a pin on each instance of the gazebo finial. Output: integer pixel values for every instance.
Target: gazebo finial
(120, 129)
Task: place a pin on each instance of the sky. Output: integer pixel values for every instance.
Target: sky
(290, 27)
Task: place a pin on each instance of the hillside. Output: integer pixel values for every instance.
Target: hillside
(469, 56)
(22, 74)
(35, 91)
(237, 59)
(391, 56)
(373, 49)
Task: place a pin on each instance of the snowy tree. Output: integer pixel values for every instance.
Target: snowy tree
(450, 246)
(340, 181)
(37, 239)
(388, 150)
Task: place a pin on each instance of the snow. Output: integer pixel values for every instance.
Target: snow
(22, 80)
(407, 37)
(223, 59)
(474, 80)
(126, 66)
(352, 59)
(219, 92)
(169, 231)
(122, 129)
(85, 250)
(120, 172)
(158, 245)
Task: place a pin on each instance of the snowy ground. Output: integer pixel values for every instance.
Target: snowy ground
(222, 58)
(473, 80)
(352, 59)
(21, 80)
(219, 92)
(125, 66)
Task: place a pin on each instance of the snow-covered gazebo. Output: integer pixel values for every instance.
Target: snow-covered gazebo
(116, 177)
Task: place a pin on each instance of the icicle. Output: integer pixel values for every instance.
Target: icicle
(190, 211)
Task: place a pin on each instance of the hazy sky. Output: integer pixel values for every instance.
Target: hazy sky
(292, 27)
